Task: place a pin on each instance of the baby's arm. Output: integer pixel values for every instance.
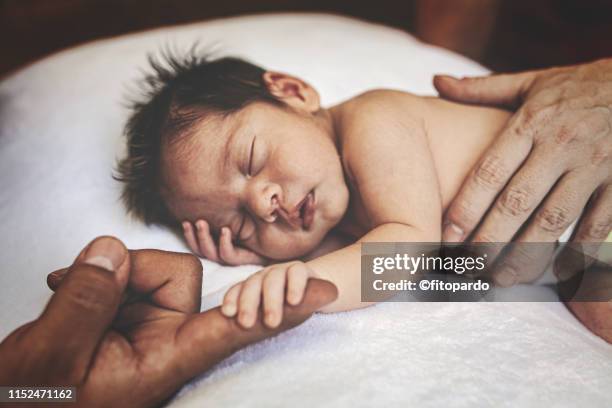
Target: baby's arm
(393, 172)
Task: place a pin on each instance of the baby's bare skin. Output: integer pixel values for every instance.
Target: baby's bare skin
(382, 166)
(456, 137)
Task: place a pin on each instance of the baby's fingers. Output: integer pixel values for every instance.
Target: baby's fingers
(249, 300)
(297, 277)
(235, 255)
(227, 250)
(230, 300)
(273, 289)
(190, 237)
(207, 245)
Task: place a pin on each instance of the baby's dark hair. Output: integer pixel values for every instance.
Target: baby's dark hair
(178, 93)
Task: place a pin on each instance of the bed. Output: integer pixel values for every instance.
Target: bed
(60, 134)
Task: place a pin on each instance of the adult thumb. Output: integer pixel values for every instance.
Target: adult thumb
(85, 304)
(502, 89)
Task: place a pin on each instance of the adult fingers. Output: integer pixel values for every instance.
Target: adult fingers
(594, 227)
(560, 209)
(273, 291)
(209, 337)
(529, 256)
(85, 304)
(596, 224)
(518, 200)
(55, 278)
(206, 243)
(171, 280)
(486, 180)
(500, 89)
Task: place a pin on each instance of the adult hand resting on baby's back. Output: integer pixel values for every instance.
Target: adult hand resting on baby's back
(201, 242)
(125, 328)
(552, 160)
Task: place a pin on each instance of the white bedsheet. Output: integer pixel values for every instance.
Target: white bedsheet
(60, 132)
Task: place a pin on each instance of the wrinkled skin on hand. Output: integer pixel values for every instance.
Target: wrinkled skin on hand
(552, 160)
(134, 334)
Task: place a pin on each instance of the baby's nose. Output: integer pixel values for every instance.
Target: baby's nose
(272, 212)
(264, 199)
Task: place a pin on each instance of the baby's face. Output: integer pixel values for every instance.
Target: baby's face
(272, 175)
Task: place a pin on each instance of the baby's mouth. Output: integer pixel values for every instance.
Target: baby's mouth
(306, 210)
(302, 214)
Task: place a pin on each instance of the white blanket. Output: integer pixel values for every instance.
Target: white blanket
(60, 133)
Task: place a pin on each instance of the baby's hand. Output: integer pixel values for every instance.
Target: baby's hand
(201, 243)
(269, 283)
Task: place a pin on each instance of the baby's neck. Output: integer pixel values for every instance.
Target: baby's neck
(328, 118)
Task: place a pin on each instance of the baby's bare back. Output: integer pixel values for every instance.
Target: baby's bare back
(456, 135)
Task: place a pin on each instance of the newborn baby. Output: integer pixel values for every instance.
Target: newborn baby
(253, 170)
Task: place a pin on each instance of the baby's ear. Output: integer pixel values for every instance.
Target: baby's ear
(293, 91)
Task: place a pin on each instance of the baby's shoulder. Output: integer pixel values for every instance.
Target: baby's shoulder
(378, 113)
(380, 109)
(383, 98)
(379, 122)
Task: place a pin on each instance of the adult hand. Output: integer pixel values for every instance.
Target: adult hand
(553, 158)
(125, 326)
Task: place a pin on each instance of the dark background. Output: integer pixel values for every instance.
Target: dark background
(503, 35)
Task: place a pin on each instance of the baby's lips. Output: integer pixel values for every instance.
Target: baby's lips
(293, 219)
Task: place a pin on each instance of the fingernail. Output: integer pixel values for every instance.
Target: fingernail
(226, 231)
(506, 277)
(293, 298)
(269, 318)
(452, 233)
(245, 319)
(55, 277)
(106, 252)
(228, 310)
(272, 319)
